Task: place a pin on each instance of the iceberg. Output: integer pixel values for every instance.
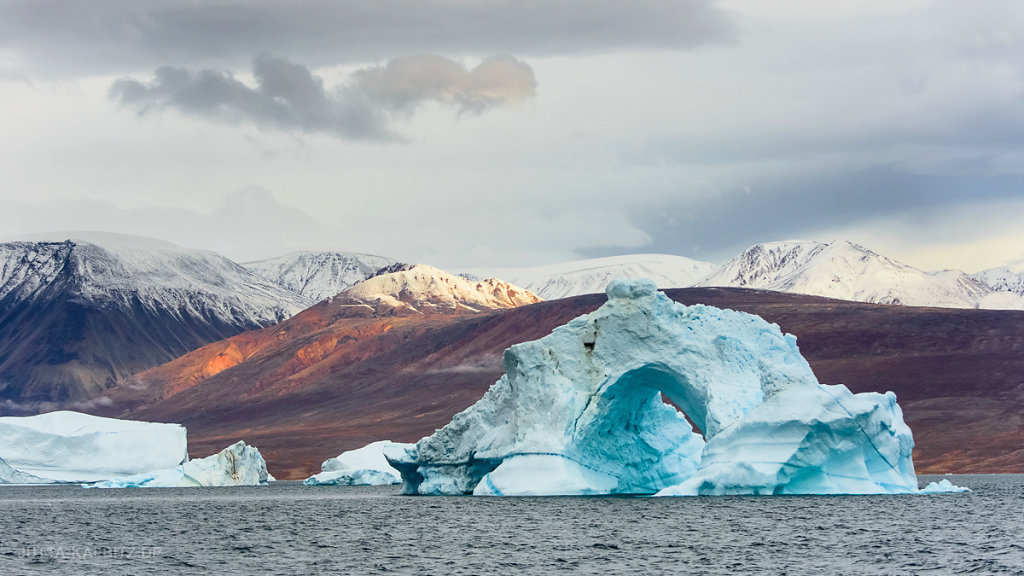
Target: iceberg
(583, 411)
(366, 466)
(236, 465)
(943, 486)
(67, 446)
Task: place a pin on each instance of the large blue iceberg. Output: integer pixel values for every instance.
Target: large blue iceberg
(581, 411)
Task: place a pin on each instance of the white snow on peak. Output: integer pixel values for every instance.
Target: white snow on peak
(118, 270)
(1007, 289)
(66, 446)
(423, 288)
(846, 271)
(837, 269)
(319, 275)
(580, 411)
(1001, 280)
(591, 276)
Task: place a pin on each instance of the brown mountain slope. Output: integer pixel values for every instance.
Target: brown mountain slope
(78, 317)
(322, 383)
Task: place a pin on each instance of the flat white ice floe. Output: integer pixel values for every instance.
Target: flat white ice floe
(236, 465)
(580, 411)
(366, 466)
(66, 446)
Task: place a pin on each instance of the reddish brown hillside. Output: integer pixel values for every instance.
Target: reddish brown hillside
(322, 382)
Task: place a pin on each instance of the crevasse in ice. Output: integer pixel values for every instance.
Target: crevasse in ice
(581, 411)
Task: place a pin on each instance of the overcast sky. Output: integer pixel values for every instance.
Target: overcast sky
(519, 132)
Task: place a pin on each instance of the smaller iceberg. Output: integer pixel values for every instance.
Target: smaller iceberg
(236, 465)
(943, 487)
(366, 466)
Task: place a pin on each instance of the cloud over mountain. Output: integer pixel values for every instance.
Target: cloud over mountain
(288, 96)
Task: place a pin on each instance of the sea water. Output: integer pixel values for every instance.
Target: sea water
(287, 528)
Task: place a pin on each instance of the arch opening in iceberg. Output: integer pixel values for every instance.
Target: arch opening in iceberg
(629, 433)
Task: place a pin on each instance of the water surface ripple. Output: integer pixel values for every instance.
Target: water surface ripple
(288, 528)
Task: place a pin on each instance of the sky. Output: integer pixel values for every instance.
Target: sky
(468, 133)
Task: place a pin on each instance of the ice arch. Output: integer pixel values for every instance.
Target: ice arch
(579, 412)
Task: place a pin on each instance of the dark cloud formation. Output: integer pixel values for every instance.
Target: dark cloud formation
(289, 96)
(74, 37)
(716, 225)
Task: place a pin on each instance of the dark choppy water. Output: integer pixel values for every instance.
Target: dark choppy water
(292, 529)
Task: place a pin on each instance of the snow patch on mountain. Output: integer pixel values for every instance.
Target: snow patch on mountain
(319, 275)
(421, 289)
(845, 271)
(591, 276)
(1001, 280)
(112, 270)
(1007, 289)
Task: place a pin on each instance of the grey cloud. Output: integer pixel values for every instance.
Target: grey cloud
(60, 37)
(715, 225)
(288, 96)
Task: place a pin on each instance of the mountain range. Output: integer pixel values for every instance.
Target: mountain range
(78, 315)
(846, 271)
(315, 352)
(319, 275)
(837, 269)
(325, 381)
(591, 276)
(82, 315)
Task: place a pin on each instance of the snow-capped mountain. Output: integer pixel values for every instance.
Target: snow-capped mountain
(422, 289)
(1001, 280)
(319, 275)
(846, 271)
(591, 276)
(1007, 289)
(78, 314)
(163, 278)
